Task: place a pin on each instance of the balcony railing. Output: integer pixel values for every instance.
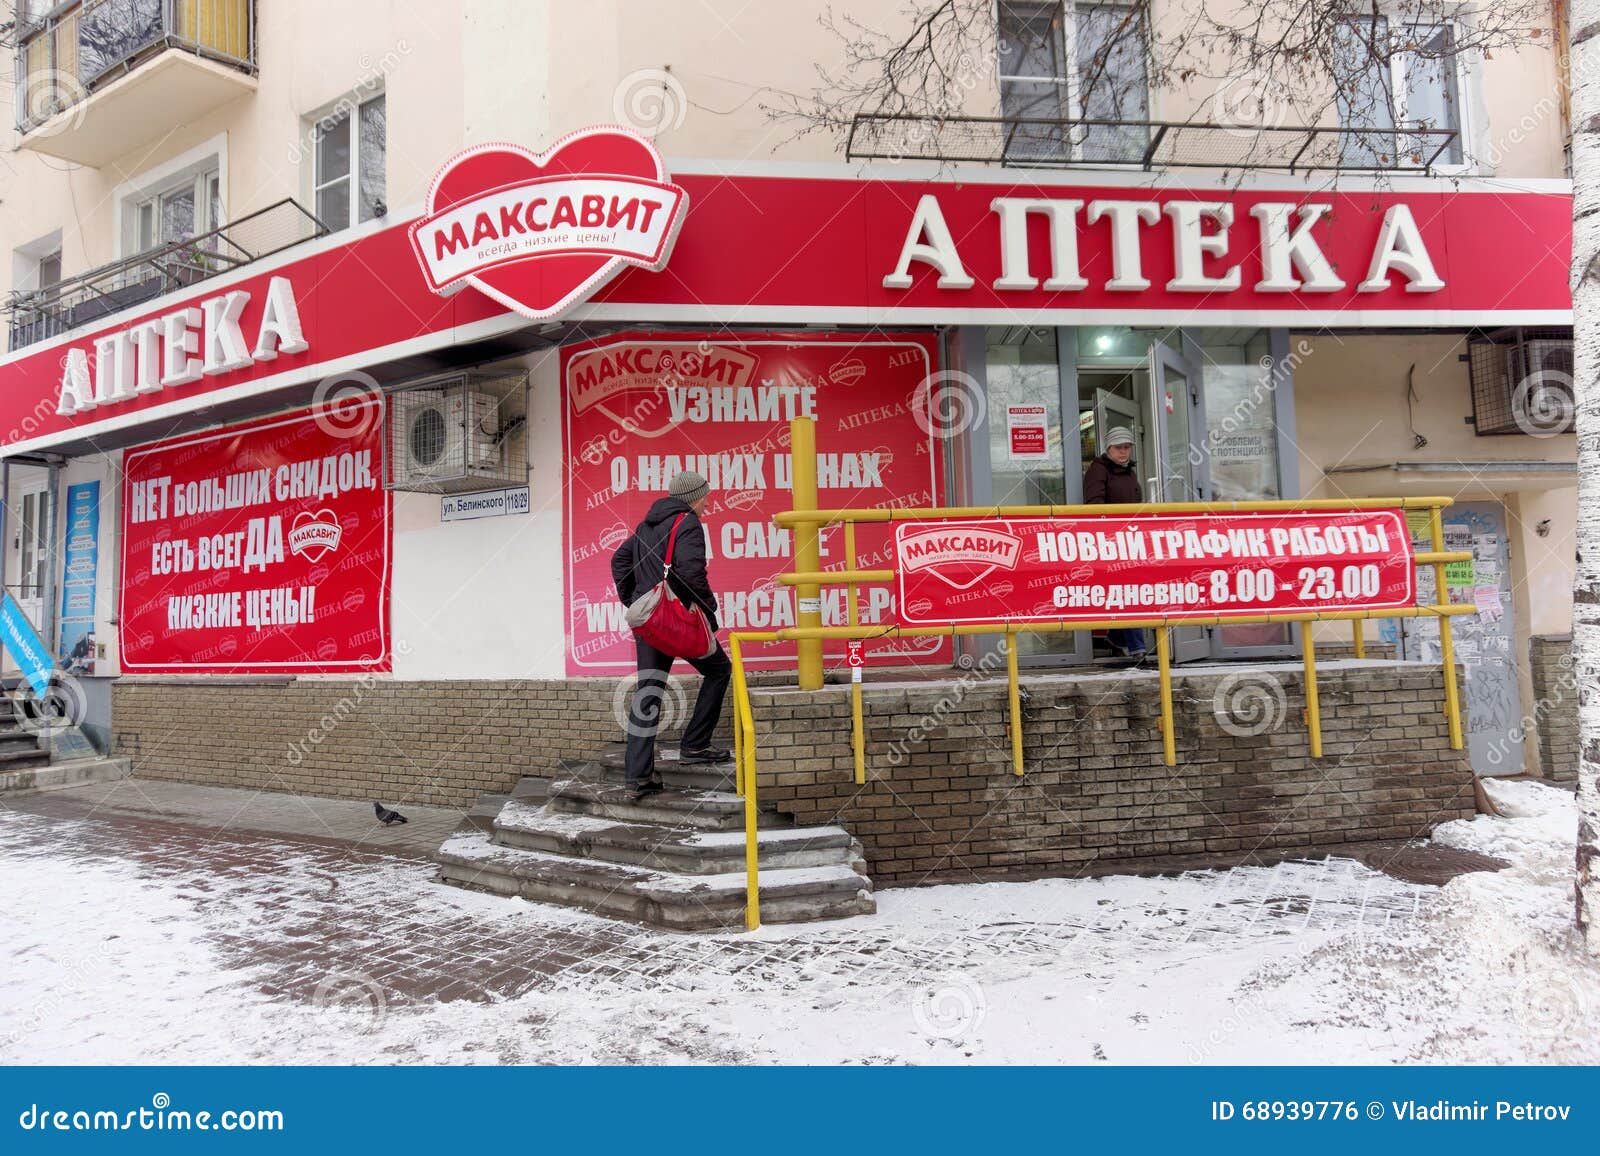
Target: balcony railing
(66, 54)
(1028, 142)
(35, 315)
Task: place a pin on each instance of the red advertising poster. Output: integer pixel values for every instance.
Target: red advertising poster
(1109, 567)
(641, 407)
(1028, 432)
(259, 548)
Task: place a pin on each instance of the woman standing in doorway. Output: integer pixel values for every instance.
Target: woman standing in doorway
(1111, 480)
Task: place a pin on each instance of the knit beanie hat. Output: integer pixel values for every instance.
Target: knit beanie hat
(689, 487)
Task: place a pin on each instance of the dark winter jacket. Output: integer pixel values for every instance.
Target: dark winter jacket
(1105, 482)
(636, 567)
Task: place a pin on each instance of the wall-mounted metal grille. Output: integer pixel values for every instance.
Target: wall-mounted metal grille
(1521, 381)
(458, 432)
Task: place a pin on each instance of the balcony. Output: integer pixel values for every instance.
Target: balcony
(1064, 143)
(98, 78)
(39, 314)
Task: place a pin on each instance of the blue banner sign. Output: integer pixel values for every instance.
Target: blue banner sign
(79, 574)
(26, 648)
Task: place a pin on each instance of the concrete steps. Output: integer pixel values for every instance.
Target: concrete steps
(608, 765)
(686, 850)
(673, 860)
(659, 898)
(27, 780)
(707, 810)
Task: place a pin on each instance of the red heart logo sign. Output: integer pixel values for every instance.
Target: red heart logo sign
(540, 232)
(315, 535)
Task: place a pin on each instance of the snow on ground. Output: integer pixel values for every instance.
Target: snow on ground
(199, 954)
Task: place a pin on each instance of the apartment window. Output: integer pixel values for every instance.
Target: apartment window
(49, 271)
(1392, 79)
(183, 207)
(1091, 67)
(352, 150)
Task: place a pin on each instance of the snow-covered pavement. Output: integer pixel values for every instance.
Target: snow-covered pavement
(143, 941)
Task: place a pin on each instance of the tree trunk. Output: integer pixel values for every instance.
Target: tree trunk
(1584, 73)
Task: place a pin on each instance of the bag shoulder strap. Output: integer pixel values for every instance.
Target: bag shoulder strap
(672, 539)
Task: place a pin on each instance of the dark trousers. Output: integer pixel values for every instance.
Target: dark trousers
(1131, 640)
(644, 713)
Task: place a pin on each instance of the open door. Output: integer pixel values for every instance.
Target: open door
(1112, 410)
(1172, 473)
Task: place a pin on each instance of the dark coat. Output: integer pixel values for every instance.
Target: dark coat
(637, 566)
(1105, 482)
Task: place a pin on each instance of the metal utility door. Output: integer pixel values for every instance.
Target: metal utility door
(1484, 642)
(1173, 474)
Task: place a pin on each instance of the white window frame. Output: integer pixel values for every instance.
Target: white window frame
(28, 260)
(194, 164)
(348, 108)
(1465, 77)
(200, 185)
(1072, 83)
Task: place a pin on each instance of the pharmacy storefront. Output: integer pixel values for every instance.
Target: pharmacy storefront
(399, 457)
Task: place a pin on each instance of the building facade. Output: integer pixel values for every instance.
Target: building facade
(314, 492)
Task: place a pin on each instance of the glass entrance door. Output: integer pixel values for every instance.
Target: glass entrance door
(1174, 474)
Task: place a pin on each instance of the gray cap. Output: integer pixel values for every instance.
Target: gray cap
(689, 487)
(1119, 435)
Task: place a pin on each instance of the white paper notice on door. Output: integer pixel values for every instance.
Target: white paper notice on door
(1027, 433)
(1488, 600)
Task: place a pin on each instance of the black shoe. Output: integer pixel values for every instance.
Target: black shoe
(705, 755)
(645, 789)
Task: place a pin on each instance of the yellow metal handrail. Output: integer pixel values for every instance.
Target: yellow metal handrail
(809, 633)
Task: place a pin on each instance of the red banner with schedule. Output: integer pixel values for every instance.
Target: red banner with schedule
(260, 548)
(1109, 567)
(641, 407)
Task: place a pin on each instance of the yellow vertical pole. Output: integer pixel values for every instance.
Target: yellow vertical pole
(1359, 637)
(738, 751)
(858, 738)
(1308, 651)
(1014, 689)
(744, 724)
(1447, 646)
(807, 546)
(1169, 741)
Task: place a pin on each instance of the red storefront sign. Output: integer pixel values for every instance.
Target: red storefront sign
(259, 548)
(839, 245)
(640, 407)
(1118, 568)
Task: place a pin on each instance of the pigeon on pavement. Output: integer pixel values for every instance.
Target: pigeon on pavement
(386, 816)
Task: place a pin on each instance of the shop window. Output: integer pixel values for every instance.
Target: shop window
(1393, 77)
(1074, 62)
(350, 183)
(1241, 451)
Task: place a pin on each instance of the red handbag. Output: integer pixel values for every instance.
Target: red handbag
(667, 623)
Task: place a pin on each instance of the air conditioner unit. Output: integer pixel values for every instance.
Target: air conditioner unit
(445, 434)
(1539, 385)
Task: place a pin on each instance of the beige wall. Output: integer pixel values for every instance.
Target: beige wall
(1350, 410)
(311, 54)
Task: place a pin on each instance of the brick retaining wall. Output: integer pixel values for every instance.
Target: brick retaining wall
(942, 802)
(439, 743)
(1555, 694)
